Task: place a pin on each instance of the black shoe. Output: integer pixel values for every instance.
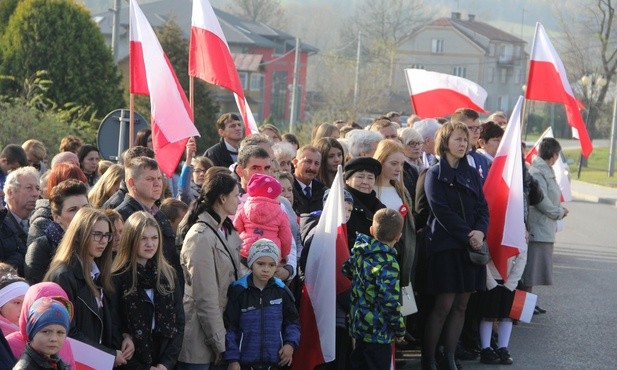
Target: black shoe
(489, 356)
(504, 356)
(539, 309)
(536, 311)
(465, 355)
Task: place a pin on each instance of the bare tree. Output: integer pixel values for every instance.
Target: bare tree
(269, 12)
(590, 49)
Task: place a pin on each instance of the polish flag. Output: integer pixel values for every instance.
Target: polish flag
(548, 81)
(211, 61)
(560, 167)
(323, 280)
(436, 94)
(503, 190)
(88, 357)
(151, 74)
(523, 306)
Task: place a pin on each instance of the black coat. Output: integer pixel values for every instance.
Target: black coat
(12, 242)
(302, 204)
(364, 208)
(31, 360)
(39, 256)
(165, 350)
(219, 155)
(91, 324)
(410, 179)
(130, 206)
(40, 219)
(7, 361)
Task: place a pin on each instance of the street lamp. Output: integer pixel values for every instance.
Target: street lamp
(592, 83)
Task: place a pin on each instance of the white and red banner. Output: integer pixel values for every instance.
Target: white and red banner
(560, 167)
(152, 74)
(548, 82)
(503, 190)
(210, 59)
(523, 306)
(323, 280)
(436, 94)
(90, 358)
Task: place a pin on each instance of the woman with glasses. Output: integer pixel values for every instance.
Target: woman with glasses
(82, 267)
(412, 148)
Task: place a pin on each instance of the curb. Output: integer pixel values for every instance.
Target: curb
(594, 198)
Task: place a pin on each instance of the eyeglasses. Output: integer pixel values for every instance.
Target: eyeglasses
(474, 128)
(98, 236)
(415, 143)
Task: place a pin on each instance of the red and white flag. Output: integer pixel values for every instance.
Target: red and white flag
(503, 190)
(211, 61)
(88, 357)
(151, 74)
(323, 280)
(560, 167)
(523, 306)
(436, 94)
(548, 81)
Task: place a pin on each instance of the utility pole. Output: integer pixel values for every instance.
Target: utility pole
(115, 30)
(611, 152)
(356, 87)
(294, 89)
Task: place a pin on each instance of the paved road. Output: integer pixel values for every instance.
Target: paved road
(580, 329)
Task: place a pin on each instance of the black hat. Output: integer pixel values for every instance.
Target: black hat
(362, 164)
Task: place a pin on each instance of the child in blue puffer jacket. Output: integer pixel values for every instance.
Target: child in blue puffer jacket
(261, 318)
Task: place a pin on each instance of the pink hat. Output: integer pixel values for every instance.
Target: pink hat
(261, 185)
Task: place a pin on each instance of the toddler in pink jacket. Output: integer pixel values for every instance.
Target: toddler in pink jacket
(261, 216)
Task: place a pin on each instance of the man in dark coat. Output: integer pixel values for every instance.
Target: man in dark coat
(225, 153)
(145, 185)
(308, 192)
(21, 192)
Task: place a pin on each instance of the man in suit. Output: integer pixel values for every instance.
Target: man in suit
(21, 191)
(225, 153)
(308, 192)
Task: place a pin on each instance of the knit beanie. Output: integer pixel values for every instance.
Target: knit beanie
(46, 311)
(263, 247)
(261, 185)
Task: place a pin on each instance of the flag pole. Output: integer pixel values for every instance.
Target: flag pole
(410, 94)
(131, 119)
(191, 97)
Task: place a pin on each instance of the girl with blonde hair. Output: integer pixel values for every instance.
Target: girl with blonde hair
(106, 186)
(82, 267)
(149, 298)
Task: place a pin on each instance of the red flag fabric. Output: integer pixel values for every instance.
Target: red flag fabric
(211, 61)
(523, 305)
(323, 267)
(436, 94)
(503, 190)
(548, 81)
(560, 167)
(153, 75)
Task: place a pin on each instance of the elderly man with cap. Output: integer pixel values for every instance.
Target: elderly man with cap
(360, 175)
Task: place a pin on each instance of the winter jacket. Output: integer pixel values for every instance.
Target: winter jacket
(262, 217)
(12, 242)
(544, 215)
(17, 340)
(209, 268)
(90, 324)
(259, 322)
(446, 188)
(40, 219)
(219, 155)
(165, 350)
(41, 252)
(375, 315)
(364, 207)
(7, 360)
(32, 360)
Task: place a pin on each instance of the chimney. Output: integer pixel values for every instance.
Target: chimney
(456, 15)
(472, 17)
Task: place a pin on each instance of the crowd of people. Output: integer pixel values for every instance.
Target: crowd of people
(204, 269)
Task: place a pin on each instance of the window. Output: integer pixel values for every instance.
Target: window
(490, 75)
(492, 50)
(460, 71)
(503, 75)
(243, 79)
(417, 66)
(257, 80)
(517, 75)
(437, 46)
(502, 103)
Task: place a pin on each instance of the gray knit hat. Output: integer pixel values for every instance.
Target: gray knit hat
(263, 247)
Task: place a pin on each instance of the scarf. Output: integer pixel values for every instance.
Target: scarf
(139, 320)
(54, 233)
(369, 201)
